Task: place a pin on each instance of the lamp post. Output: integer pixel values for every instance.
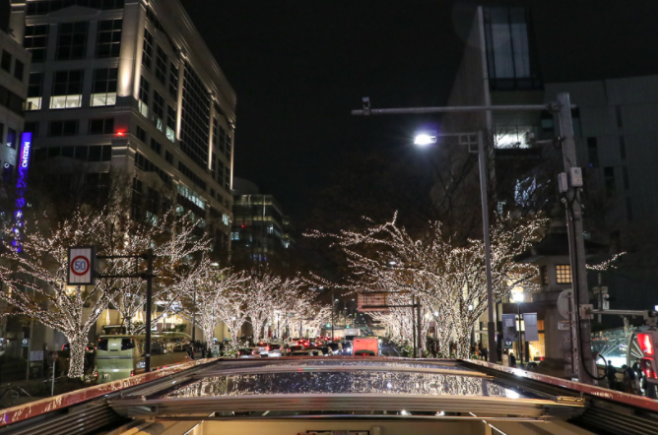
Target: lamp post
(518, 298)
(429, 137)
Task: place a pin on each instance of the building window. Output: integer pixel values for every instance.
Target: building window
(510, 54)
(161, 66)
(145, 165)
(629, 210)
(108, 38)
(5, 62)
(44, 7)
(36, 41)
(101, 126)
(609, 179)
(67, 90)
(622, 147)
(543, 275)
(173, 81)
(192, 176)
(144, 90)
(169, 157)
(63, 128)
(563, 273)
(141, 134)
(34, 92)
(72, 40)
(155, 146)
(147, 52)
(158, 110)
(85, 153)
(171, 124)
(195, 127)
(104, 89)
(12, 138)
(19, 69)
(593, 152)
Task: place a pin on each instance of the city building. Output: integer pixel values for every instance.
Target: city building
(123, 87)
(613, 126)
(14, 75)
(129, 87)
(260, 227)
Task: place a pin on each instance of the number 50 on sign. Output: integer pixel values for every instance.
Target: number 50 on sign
(81, 264)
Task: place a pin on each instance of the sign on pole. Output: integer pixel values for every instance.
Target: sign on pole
(81, 265)
(371, 300)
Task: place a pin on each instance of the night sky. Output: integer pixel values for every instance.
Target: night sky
(299, 67)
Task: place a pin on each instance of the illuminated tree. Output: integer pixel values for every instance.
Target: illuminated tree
(36, 279)
(175, 241)
(211, 296)
(448, 277)
(264, 293)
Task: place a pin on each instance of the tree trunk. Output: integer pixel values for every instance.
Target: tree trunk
(77, 360)
(234, 336)
(208, 333)
(463, 343)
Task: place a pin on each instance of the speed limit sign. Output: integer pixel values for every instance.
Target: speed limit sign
(81, 265)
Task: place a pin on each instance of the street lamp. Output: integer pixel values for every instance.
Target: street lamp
(468, 139)
(518, 298)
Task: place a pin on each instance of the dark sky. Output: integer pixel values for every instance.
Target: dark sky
(299, 67)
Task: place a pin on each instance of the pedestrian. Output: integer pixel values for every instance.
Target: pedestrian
(512, 359)
(485, 354)
(631, 385)
(611, 375)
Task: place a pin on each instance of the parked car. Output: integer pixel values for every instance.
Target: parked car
(274, 351)
(336, 348)
(248, 352)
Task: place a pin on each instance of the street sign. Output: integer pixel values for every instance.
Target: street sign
(36, 355)
(564, 303)
(531, 330)
(378, 300)
(81, 263)
(25, 342)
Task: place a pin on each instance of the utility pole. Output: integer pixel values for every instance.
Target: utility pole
(418, 324)
(149, 294)
(581, 327)
(484, 190)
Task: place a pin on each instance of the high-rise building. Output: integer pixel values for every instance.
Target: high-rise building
(129, 86)
(260, 228)
(614, 132)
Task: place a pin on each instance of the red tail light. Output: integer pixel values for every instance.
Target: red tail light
(63, 346)
(132, 373)
(646, 344)
(267, 348)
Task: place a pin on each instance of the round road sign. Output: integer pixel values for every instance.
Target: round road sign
(80, 265)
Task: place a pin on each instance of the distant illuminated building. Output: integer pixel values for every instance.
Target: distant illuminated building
(128, 86)
(260, 227)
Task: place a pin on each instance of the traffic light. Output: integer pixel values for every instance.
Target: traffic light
(648, 363)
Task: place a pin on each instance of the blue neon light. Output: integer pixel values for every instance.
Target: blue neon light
(21, 185)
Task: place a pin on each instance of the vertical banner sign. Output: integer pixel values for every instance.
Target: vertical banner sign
(81, 265)
(531, 331)
(21, 185)
(509, 331)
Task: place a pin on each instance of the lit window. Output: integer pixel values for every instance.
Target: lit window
(67, 90)
(225, 219)
(563, 273)
(104, 90)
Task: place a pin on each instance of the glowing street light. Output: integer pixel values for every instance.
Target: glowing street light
(425, 139)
